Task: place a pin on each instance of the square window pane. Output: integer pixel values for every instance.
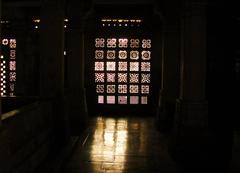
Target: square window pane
(99, 54)
(110, 88)
(145, 89)
(100, 89)
(133, 89)
(99, 66)
(145, 78)
(122, 66)
(145, 66)
(122, 99)
(134, 78)
(111, 42)
(111, 66)
(134, 66)
(134, 43)
(146, 43)
(122, 88)
(110, 99)
(110, 77)
(99, 42)
(100, 99)
(122, 54)
(99, 77)
(134, 55)
(122, 77)
(123, 42)
(146, 55)
(111, 54)
(144, 100)
(134, 99)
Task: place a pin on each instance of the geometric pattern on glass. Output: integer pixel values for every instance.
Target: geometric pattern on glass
(111, 66)
(123, 43)
(146, 43)
(111, 54)
(110, 88)
(12, 65)
(122, 99)
(134, 43)
(111, 42)
(134, 78)
(12, 76)
(99, 66)
(100, 99)
(145, 66)
(144, 100)
(122, 54)
(122, 88)
(111, 99)
(100, 88)
(145, 78)
(99, 42)
(12, 54)
(134, 99)
(134, 66)
(134, 55)
(145, 89)
(146, 55)
(99, 77)
(122, 77)
(99, 54)
(133, 89)
(122, 66)
(13, 43)
(110, 77)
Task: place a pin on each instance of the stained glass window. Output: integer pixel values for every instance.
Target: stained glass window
(122, 70)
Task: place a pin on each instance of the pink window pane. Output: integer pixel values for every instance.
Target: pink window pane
(133, 89)
(110, 99)
(99, 66)
(13, 43)
(99, 42)
(122, 88)
(100, 99)
(5, 42)
(99, 54)
(122, 66)
(145, 66)
(122, 77)
(122, 99)
(111, 66)
(134, 78)
(111, 54)
(123, 42)
(12, 54)
(146, 43)
(134, 66)
(99, 77)
(111, 42)
(145, 78)
(134, 43)
(100, 89)
(144, 100)
(134, 55)
(110, 77)
(12, 65)
(145, 89)
(146, 55)
(12, 76)
(110, 88)
(134, 99)
(122, 54)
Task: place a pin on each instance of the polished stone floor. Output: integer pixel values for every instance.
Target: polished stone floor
(121, 145)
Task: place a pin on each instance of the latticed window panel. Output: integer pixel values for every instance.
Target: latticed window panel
(134, 43)
(133, 89)
(122, 66)
(122, 54)
(122, 77)
(110, 99)
(111, 66)
(111, 54)
(100, 88)
(111, 77)
(122, 99)
(146, 43)
(123, 43)
(145, 78)
(99, 77)
(99, 66)
(111, 43)
(145, 89)
(134, 99)
(99, 54)
(145, 66)
(100, 99)
(99, 42)
(146, 55)
(134, 78)
(134, 55)
(110, 88)
(144, 100)
(122, 88)
(134, 66)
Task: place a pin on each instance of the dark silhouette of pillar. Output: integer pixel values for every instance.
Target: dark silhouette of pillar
(0, 52)
(52, 63)
(77, 107)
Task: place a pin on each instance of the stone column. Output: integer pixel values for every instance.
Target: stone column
(52, 61)
(191, 145)
(0, 51)
(76, 99)
(170, 73)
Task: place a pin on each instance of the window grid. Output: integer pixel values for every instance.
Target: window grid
(122, 70)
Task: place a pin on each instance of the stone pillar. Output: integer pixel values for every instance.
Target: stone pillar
(191, 145)
(170, 73)
(0, 53)
(76, 99)
(52, 62)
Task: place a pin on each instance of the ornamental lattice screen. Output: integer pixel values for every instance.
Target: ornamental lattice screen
(122, 70)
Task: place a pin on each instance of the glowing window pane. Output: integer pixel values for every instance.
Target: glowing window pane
(110, 88)
(5, 42)
(134, 55)
(145, 89)
(134, 66)
(111, 54)
(134, 78)
(122, 77)
(145, 78)
(133, 89)
(146, 43)
(13, 43)
(144, 100)
(110, 77)
(111, 42)
(99, 54)
(145, 66)
(100, 88)
(122, 99)
(111, 66)
(99, 66)
(12, 86)
(100, 99)
(122, 54)
(12, 76)
(99, 42)
(99, 77)
(122, 66)
(111, 99)
(122, 88)
(134, 99)
(134, 43)
(146, 55)
(123, 43)
(13, 54)
(12, 65)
